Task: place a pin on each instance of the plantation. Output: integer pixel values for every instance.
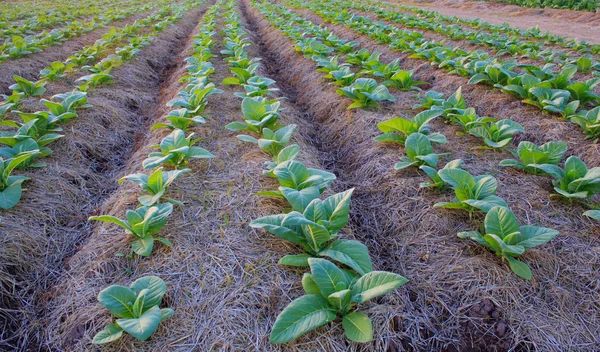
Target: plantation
(297, 175)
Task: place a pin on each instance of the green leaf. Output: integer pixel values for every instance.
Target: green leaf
(501, 222)
(519, 268)
(532, 236)
(375, 284)
(358, 327)
(156, 290)
(110, 333)
(143, 327)
(351, 253)
(118, 300)
(10, 196)
(327, 275)
(303, 314)
(295, 260)
(143, 246)
(594, 214)
(309, 285)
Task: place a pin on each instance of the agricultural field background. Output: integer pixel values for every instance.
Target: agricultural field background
(300, 175)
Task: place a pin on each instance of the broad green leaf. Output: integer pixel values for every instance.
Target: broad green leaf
(309, 285)
(519, 268)
(532, 236)
(118, 300)
(374, 284)
(351, 253)
(156, 290)
(143, 327)
(358, 327)
(110, 333)
(501, 222)
(294, 260)
(327, 276)
(300, 316)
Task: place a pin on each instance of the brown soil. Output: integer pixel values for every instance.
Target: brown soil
(50, 223)
(579, 25)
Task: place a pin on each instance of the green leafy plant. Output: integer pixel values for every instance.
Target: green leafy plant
(143, 223)
(398, 129)
(419, 151)
(331, 291)
(259, 113)
(176, 150)
(137, 308)
(594, 214)
(56, 70)
(497, 134)
(507, 239)
(179, 119)
(272, 142)
(18, 145)
(589, 121)
(365, 92)
(575, 181)
(314, 229)
(528, 153)
(28, 88)
(193, 98)
(257, 86)
(11, 186)
(67, 103)
(436, 180)
(472, 193)
(288, 153)
(155, 184)
(403, 80)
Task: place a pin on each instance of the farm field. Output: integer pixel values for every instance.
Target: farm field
(299, 175)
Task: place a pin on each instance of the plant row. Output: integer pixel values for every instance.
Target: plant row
(582, 5)
(476, 193)
(341, 272)
(137, 307)
(18, 46)
(551, 92)
(56, 17)
(503, 45)
(34, 132)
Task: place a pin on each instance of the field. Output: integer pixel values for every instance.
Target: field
(299, 175)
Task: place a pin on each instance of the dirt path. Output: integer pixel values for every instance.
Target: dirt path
(572, 24)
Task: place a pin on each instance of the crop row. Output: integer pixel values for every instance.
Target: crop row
(18, 46)
(583, 5)
(473, 193)
(514, 33)
(36, 131)
(341, 273)
(54, 18)
(503, 45)
(138, 307)
(551, 92)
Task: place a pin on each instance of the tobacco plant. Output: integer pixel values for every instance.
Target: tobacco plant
(507, 239)
(258, 113)
(331, 292)
(403, 80)
(10, 186)
(288, 153)
(179, 119)
(176, 150)
(155, 185)
(497, 134)
(473, 193)
(398, 129)
(575, 181)
(528, 154)
(315, 230)
(143, 223)
(365, 92)
(272, 142)
(589, 121)
(436, 180)
(137, 308)
(419, 151)
(28, 88)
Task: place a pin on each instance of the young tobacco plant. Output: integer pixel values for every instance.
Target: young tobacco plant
(10, 186)
(137, 308)
(155, 184)
(176, 150)
(507, 239)
(259, 113)
(497, 134)
(472, 193)
(575, 181)
(315, 230)
(28, 88)
(331, 292)
(299, 185)
(288, 153)
(143, 223)
(194, 96)
(365, 92)
(436, 180)
(589, 121)
(419, 151)
(179, 119)
(528, 153)
(272, 142)
(403, 80)
(398, 129)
